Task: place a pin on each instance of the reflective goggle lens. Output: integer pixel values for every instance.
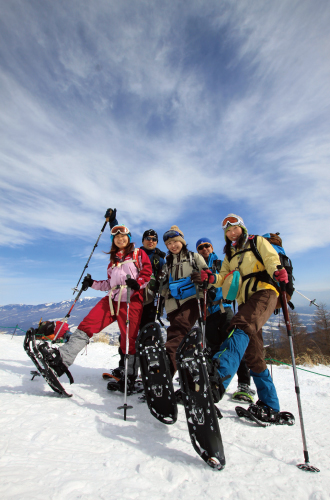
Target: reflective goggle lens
(233, 221)
(171, 234)
(119, 229)
(150, 238)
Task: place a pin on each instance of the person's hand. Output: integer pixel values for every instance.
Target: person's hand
(133, 284)
(110, 214)
(281, 275)
(196, 277)
(206, 275)
(87, 282)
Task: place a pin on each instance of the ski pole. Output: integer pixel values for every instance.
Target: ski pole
(89, 258)
(306, 466)
(311, 302)
(125, 407)
(161, 284)
(205, 283)
(64, 320)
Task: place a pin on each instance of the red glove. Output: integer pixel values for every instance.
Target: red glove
(281, 275)
(206, 274)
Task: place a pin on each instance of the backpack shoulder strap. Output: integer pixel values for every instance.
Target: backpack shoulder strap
(253, 246)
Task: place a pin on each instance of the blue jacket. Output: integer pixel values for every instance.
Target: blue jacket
(212, 309)
(151, 254)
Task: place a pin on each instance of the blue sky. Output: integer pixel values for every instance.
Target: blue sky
(172, 112)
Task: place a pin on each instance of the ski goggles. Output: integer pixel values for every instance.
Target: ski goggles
(204, 245)
(231, 221)
(171, 234)
(151, 238)
(119, 230)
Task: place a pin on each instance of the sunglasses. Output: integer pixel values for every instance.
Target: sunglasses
(119, 229)
(231, 221)
(205, 245)
(150, 238)
(171, 234)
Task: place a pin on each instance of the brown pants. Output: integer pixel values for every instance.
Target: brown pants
(181, 322)
(250, 318)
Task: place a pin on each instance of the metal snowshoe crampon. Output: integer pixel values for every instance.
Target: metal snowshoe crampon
(156, 375)
(201, 413)
(47, 361)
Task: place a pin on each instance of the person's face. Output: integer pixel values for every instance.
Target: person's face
(205, 250)
(121, 240)
(150, 242)
(174, 246)
(234, 232)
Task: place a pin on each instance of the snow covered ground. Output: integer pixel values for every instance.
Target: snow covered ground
(81, 448)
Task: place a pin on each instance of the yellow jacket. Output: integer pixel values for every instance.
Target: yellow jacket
(251, 264)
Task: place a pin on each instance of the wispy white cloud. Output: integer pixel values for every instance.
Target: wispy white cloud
(118, 107)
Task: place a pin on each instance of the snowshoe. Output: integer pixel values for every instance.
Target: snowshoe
(243, 393)
(264, 415)
(118, 383)
(116, 372)
(47, 361)
(201, 413)
(156, 375)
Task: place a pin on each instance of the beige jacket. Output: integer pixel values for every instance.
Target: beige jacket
(251, 265)
(181, 268)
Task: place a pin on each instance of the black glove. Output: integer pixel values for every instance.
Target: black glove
(87, 282)
(111, 214)
(152, 283)
(131, 283)
(196, 278)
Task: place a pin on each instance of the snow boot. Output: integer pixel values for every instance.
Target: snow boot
(117, 380)
(243, 393)
(265, 413)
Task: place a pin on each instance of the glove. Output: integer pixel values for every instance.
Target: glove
(206, 275)
(131, 283)
(281, 275)
(111, 214)
(196, 278)
(152, 283)
(87, 282)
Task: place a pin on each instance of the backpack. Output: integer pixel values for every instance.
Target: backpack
(276, 242)
(48, 329)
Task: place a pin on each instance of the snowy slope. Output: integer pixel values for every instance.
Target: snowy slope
(81, 448)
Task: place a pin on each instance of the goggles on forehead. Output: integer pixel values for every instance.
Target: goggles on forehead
(119, 229)
(171, 234)
(203, 245)
(231, 221)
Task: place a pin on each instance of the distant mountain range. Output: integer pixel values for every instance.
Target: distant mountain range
(26, 316)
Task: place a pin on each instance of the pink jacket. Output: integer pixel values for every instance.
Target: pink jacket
(140, 270)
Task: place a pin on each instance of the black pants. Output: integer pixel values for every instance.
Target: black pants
(216, 333)
(148, 316)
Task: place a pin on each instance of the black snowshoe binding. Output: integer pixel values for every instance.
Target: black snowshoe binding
(264, 415)
(47, 361)
(198, 402)
(156, 375)
(116, 382)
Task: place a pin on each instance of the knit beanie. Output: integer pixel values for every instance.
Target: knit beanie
(175, 238)
(149, 232)
(241, 224)
(203, 240)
